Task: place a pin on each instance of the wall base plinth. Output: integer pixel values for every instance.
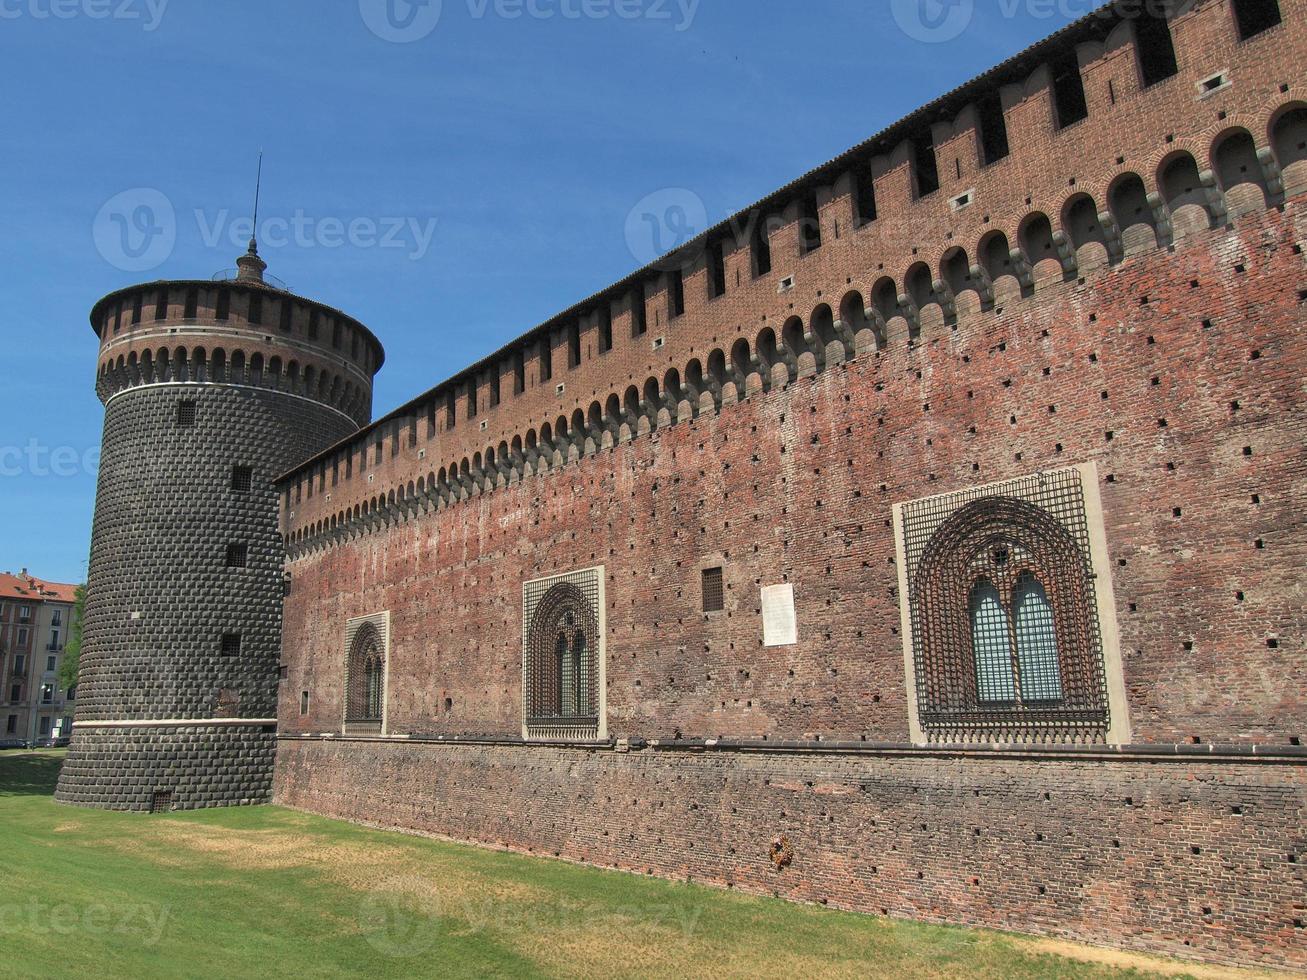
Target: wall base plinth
(169, 765)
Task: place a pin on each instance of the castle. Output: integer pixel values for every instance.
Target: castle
(925, 540)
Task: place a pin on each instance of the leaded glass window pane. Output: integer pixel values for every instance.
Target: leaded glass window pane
(991, 645)
(1041, 675)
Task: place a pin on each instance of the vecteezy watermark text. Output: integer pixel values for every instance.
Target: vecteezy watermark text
(940, 21)
(404, 920)
(306, 231)
(41, 918)
(405, 21)
(148, 12)
(137, 230)
(36, 459)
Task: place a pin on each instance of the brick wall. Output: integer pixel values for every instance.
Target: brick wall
(1171, 358)
(1178, 856)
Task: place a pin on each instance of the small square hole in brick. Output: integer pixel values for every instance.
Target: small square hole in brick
(161, 801)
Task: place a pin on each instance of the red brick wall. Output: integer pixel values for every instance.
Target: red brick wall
(1184, 857)
(1178, 371)
(797, 486)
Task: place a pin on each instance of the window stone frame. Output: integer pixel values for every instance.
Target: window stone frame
(381, 623)
(1103, 599)
(533, 591)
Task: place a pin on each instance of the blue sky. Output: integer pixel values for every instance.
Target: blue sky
(497, 151)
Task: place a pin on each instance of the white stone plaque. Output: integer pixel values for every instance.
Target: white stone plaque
(779, 627)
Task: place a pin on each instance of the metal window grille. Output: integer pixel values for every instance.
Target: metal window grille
(242, 479)
(161, 801)
(365, 673)
(237, 555)
(1003, 612)
(231, 644)
(714, 597)
(185, 414)
(562, 645)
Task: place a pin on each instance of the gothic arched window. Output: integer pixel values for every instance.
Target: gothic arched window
(365, 679)
(562, 644)
(1005, 636)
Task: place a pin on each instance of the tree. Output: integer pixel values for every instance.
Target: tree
(68, 667)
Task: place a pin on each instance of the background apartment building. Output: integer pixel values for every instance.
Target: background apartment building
(35, 618)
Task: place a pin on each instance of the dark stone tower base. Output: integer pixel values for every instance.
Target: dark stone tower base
(169, 767)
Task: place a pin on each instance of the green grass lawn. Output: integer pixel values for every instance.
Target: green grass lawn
(261, 891)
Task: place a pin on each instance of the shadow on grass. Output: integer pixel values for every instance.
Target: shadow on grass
(29, 773)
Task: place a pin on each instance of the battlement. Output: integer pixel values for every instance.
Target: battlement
(1070, 159)
(237, 332)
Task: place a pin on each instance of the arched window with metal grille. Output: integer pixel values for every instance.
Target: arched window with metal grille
(365, 681)
(562, 645)
(1005, 637)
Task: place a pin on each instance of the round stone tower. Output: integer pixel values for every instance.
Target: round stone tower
(211, 389)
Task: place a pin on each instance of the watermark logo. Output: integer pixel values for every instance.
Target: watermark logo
(36, 917)
(303, 230)
(940, 21)
(404, 920)
(149, 13)
(405, 21)
(39, 460)
(136, 230)
(401, 21)
(933, 21)
(664, 221)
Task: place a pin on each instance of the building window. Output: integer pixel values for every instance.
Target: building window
(605, 328)
(1255, 16)
(809, 224)
(223, 307)
(304, 702)
(237, 554)
(185, 414)
(1155, 48)
(22, 637)
(56, 617)
(365, 673)
(161, 305)
(47, 693)
(925, 165)
(72, 693)
(714, 598)
(138, 305)
(54, 639)
(716, 269)
(231, 644)
(16, 694)
(1002, 594)
(639, 311)
(20, 663)
(45, 725)
(24, 613)
(50, 663)
(864, 193)
(1069, 102)
(993, 129)
(675, 294)
(574, 345)
(255, 314)
(190, 307)
(11, 726)
(563, 657)
(242, 479)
